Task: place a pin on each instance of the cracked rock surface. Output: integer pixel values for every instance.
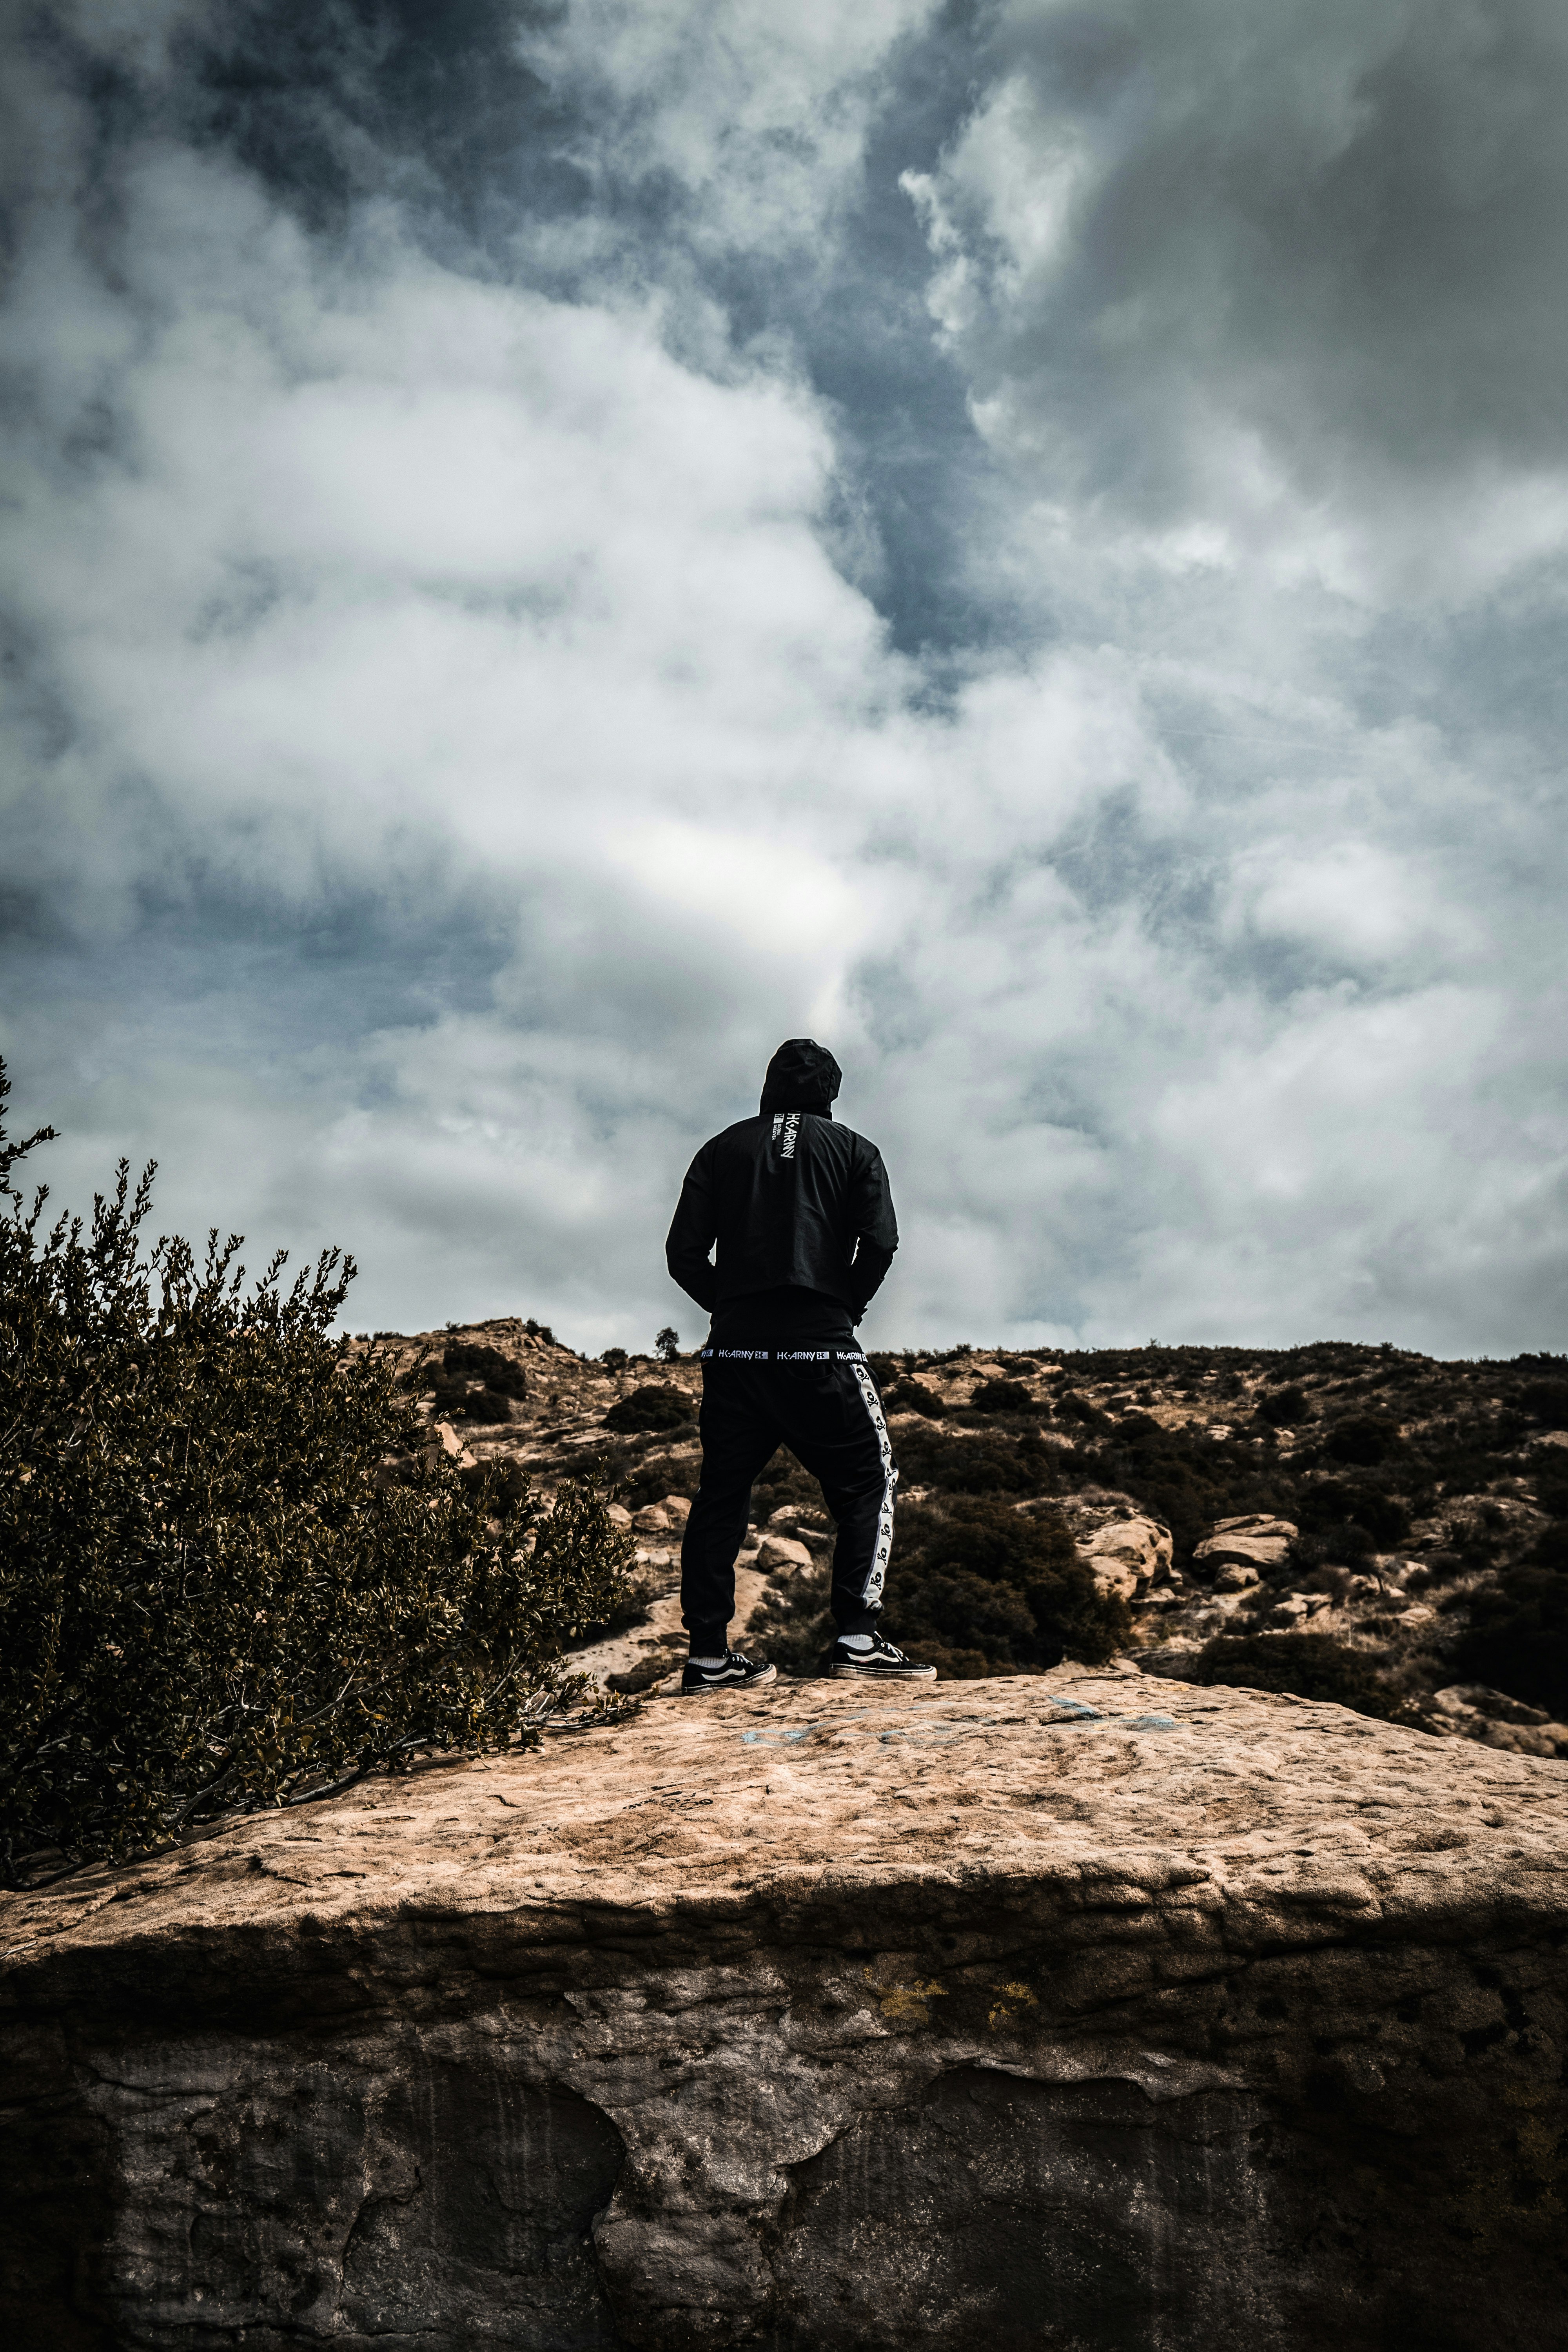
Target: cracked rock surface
(1076, 2011)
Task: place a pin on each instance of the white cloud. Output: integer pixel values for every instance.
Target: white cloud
(455, 759)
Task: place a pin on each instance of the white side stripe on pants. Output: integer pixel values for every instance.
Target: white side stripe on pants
(873, 1404)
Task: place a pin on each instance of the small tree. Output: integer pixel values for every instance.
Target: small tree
(668, 1342)
(214, 1594)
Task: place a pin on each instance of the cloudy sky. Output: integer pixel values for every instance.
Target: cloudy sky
(550, 547)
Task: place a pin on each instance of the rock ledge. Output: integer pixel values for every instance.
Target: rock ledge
(1080, 2011)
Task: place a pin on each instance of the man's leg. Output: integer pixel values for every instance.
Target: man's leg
(738, 1437)
(833, 1419)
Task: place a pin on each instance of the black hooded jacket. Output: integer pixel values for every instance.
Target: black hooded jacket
(799, 1206)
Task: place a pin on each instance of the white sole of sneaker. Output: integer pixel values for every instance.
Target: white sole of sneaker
(881, 1673)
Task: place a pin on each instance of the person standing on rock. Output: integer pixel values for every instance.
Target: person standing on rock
(801, 1213)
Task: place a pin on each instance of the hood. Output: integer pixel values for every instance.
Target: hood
(802, 1075)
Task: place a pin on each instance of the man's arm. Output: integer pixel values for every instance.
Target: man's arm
(877, 1229)
(692, 1235)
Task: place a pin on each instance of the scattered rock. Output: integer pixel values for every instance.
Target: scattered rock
(442, 1439)
(782, 1553)
(1255, 1540)
(652, 1519)
(1291, 1609)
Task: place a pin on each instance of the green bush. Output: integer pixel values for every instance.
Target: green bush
(1286, 1407)
(213, 1594)
(1002, 1396)
(1518, 1637)
(913, 1396)
(657, 1408)
(1311, 1665)
(1362, 1442)
(470, 1361)
(1546, 1402)
(976, 1588)
(980, 1588)
(981, 1464)
(476, 1383)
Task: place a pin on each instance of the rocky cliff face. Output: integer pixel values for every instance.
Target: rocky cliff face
(1084, 2010)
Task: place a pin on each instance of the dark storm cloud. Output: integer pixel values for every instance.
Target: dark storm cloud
(1340, 226)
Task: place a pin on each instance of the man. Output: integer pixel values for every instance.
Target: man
(801, 1213)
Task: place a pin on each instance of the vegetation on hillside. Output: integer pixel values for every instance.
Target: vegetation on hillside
(212, 1595)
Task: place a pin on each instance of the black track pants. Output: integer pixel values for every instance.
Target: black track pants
(822, 1403)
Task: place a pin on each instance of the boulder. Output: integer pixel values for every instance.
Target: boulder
(1498, 1721)
(776, 1552)
(679, 1507)
(1176, 1660)
(1127, 1551)
(1080, 2010)
(1291, 1609)
(442, 1439)
(618, 1514)
(1236, 1577)
(1255, 1540)
(653, 1520)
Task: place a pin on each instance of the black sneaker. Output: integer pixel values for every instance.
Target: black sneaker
(735, 1674)
(881, 1663)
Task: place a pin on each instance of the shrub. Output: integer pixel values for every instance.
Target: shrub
(976, 1588)
(614, 1360)
(1331, 1503)
(1285, 1407)
(913, 1396)
(1547, 1403)
(784, 1480)
(211, 1596)
(502, 1374)
(657, 1408)
(1518, 1637)
(1311, 1665)
(476, 1383)
(1002, 1396)
(988, 1465)
(1361, 1441)
(975, 1575)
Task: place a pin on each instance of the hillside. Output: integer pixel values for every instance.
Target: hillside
(1360, 1524)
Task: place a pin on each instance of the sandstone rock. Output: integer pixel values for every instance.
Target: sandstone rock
(1236, 1577)
(1255, 1540)
(1126, 1550)
(1174, 1660)
(1080, 2011)
(620, 1515)
(652, 1519)
(1289, 1611)
(679, 1507)
(776, 1552)
(442, 1439)
(1498, 1721)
